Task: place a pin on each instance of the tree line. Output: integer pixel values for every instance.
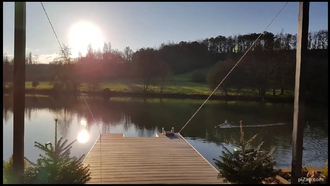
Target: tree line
(270, 64)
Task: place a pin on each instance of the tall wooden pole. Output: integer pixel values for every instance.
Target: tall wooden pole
(55, 133)
(299, 92)
(19, 89)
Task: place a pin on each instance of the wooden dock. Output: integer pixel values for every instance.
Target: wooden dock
(115, 159)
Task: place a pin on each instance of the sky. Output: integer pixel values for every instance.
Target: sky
(147, 24)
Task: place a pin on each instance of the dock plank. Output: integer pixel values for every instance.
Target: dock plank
(115, 159)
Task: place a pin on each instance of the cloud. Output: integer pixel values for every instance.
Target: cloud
(46, 58)
(42, 58)
(10, 56)
(37, 50)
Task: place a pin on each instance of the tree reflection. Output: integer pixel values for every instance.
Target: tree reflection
(148, 116)
(7, 108)
(65, 119)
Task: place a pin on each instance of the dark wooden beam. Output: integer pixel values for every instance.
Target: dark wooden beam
(19, 89)
(299, 92)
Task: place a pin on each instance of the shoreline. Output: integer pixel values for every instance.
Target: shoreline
(267, 99)
(50, 92)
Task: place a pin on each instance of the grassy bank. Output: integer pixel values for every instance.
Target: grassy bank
(181, 84)
(173, 87)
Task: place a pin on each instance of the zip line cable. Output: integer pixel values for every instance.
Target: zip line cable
(202, 103)
(53, 28)
(90, 111)
(232, 68)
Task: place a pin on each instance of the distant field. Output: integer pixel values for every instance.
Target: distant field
(178, 84)
(188, 76)
(175, 87)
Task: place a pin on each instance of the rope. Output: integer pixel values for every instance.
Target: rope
(232, 68)
(203, 102)
(90, 111)
(53, 29)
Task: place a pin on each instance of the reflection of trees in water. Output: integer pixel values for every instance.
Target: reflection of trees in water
(152, 114)
(7, 109)
(148, 117)
(252, 113)
(147, 132)
(140, 131)
(127, 123)
(318, 132)
(65, 119)
(102, 114)
(6, 113)
(272, 136)
(27, 112)
(113, 113)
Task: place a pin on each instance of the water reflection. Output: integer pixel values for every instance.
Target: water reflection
(145, 117)
(83, 122)
(83, 136)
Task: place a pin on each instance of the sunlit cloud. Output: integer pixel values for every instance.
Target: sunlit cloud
(46, 58)
(83, 136)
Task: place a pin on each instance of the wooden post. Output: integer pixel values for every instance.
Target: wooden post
(299, 93)
(55, 133)
(19, 89)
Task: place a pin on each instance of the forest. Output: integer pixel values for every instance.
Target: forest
(269, 66)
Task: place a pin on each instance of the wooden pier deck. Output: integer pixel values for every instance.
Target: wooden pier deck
(115, 159)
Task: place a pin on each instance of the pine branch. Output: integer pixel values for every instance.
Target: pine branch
(56, 166)
(247, 165)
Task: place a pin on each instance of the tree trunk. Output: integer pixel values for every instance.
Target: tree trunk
(282, 91)
(274, 93)
(225, 90)
(262, 93)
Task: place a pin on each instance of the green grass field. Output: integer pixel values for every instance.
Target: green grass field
(188, 76)
(178, 84)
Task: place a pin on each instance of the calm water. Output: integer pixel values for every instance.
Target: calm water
(138, 117)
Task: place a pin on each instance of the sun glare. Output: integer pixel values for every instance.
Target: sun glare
(83, 33)
(83, 122)
(83, 136)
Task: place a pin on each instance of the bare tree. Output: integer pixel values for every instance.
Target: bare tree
(64, 56)
(5, 64)
(128, 53)
(90, 51)
(35, 59)
(30, 58)
(98, 54)
(164, 75)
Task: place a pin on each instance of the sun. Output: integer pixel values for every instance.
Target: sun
(83, 33)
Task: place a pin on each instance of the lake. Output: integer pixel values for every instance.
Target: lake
(137, 117)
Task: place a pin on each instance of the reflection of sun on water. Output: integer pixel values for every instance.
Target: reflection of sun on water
(83, 122)
(83, 136)
(83, 33)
